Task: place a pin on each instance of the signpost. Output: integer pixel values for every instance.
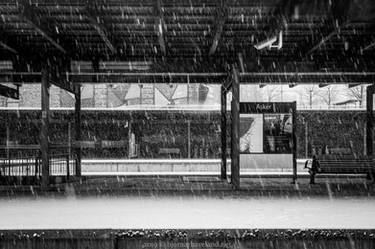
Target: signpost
(268, 128)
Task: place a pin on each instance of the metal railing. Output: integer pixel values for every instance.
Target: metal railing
(59, 165)
(20, 166)
(62, 165)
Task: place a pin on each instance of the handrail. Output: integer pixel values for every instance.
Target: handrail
(59, 164)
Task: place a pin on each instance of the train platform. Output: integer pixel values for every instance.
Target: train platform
(201, 184)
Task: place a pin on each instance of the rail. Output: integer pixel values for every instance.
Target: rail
(59, 165)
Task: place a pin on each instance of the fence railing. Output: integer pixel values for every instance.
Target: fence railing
(59, 165)
(21, 166)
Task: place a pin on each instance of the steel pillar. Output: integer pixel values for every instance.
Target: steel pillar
(77, 122)
(235, 141)
(369, 119)
(223, 129)
(44, 134)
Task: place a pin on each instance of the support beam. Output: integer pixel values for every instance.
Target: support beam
(159, 26)
(28, 14)
(261, 79)
(64, 84)
(97, 23)
(223, 128)
(321, 85)
(235, 139)
(9, 92)
(7, 47)
(221, 17)
(59, 72)
(130, 144)
(294, 138)
(340, 12)
(353, 85)
(77, 122)
(368, 47)
(44, 135)
(335, 32)
(369, 119)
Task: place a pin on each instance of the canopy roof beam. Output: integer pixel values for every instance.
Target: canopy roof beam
(28, 15)
(327, 38)
(368, 47)
(7, 47)
(221, 17)
(160, 26)
(97, 23)
(322, 78)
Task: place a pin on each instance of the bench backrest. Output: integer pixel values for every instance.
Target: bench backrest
(169, 151)
(345, 164)
(341, 151)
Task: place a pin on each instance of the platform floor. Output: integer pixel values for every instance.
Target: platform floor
(191, 201)
(188, 212)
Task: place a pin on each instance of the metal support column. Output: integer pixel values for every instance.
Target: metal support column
(294, 137)
(8, 139)
(235, 141)
(44, 139)
(369, 119)
(189, 138)
(223, 129)
(130, 144)
(77, 122)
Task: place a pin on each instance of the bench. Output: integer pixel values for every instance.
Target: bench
(342, 164)
(169, 151)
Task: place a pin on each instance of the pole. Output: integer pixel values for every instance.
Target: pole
(8, 139)
(369, 119)
(69, 139)
(189, 138)
(294, 137)
(77, 122)
(188, 90)
(44, 143)
(129, 137)
(235, 115)
(306, 139)
(364, 141)
(223, 129)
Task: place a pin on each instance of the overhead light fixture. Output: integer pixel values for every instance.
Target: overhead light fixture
(270, 43)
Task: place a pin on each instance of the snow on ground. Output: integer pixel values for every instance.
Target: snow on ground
(186, 212)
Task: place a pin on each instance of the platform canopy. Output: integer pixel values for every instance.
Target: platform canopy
(195, 36)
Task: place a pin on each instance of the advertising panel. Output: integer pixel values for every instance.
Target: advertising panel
(278, 131)
(266, 128)
(251, 133)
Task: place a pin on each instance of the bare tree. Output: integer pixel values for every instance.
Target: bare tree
(273, 92)
(311, 93)
(329, 94)
(356, 93)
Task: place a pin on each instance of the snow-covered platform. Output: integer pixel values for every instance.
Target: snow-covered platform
(188, 212)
